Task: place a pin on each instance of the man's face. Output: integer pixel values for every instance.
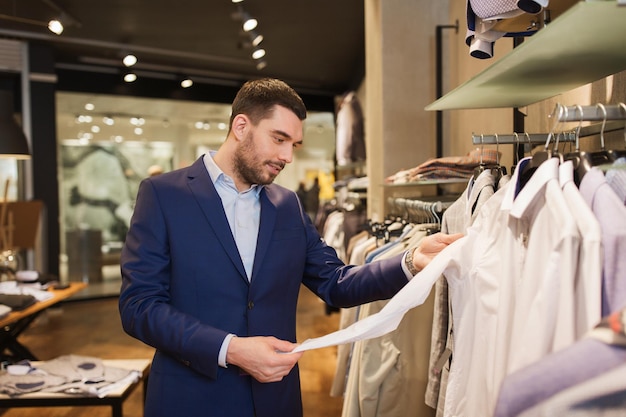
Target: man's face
(268, 147)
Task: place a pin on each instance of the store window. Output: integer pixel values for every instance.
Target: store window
(108, 144)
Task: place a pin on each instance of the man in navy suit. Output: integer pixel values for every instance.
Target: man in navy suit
(213, 262)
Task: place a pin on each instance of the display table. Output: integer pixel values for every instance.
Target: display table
(114, 399)
(16, 322)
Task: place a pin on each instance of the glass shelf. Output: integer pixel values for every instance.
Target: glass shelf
(582, 45)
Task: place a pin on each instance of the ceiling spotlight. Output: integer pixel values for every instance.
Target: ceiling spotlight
(258, 53)
(186, 82)
(129, 60)
(249, 24)
(261, 64)
(55, 26)
(255, 38)
(237, 1)
(130, 77)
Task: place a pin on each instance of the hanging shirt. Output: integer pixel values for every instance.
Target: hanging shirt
(588, 281)
(611, 213)
(603, 350)
(616, 177)
(544, 316)
(456, 219)
(601, 396)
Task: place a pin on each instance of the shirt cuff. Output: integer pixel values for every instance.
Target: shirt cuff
(408, 273)
(221, 358)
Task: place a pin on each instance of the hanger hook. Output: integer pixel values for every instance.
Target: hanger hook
(497, 149)
(558, 108)
(623, 107)
(482, 146)
(558, 135)
(601, 106)
(579, 108)
(515, 157)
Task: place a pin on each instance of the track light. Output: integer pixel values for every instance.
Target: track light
(129, 60)
(186, 82)
(258, 53)
(249, 23)
(255, 38)
(130, 77)
(55, 26)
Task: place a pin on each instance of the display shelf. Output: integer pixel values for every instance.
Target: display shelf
(584, 44)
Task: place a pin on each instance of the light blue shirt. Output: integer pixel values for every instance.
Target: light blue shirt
(243, 211)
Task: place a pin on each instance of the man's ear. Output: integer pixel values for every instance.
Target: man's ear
(240, 126)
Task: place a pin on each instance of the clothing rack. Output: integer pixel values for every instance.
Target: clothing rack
(519, 138)
(599, 112)
(611, 116)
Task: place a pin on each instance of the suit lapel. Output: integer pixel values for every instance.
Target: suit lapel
(204, 191)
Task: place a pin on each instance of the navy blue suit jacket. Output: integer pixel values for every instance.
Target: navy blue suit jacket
(184, 289)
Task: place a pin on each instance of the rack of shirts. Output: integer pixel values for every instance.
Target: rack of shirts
(523, 292)
(375, 375)
(535, 303)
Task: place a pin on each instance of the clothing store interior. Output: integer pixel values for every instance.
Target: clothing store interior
(500, 120)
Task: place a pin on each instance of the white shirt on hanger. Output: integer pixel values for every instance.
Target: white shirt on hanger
(588, 285)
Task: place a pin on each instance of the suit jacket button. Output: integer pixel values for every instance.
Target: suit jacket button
(250, 305)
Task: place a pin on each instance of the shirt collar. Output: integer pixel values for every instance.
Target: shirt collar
(217, 175)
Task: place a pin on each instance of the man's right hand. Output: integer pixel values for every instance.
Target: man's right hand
(430, 246)
(264, 358)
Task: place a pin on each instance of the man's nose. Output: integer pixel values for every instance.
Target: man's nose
(286, 154)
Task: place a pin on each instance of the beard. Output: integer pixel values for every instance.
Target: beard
(248, 166)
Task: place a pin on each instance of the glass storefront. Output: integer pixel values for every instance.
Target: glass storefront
(108, 144)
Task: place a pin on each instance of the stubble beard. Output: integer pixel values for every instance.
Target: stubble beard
(247, 164)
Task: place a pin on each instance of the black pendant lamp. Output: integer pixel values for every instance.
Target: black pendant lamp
(13, 143)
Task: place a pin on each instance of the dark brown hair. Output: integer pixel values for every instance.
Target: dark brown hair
(257, 98)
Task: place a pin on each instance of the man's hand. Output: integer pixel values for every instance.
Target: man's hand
(261, 357)
(430, 246)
